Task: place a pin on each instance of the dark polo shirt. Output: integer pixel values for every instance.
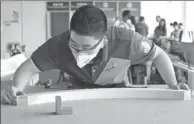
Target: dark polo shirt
(122, 43)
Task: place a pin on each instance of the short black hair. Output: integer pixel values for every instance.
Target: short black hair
(141, 18)
(89, 20)
(126, 13)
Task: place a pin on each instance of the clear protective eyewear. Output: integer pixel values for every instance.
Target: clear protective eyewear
(87, 50)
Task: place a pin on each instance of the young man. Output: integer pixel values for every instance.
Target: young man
(175, 34)
(158, 18)
(78, 52)
(126, 20)
(126, 15)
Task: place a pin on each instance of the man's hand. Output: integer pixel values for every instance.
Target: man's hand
(179, 86)
(10, 95)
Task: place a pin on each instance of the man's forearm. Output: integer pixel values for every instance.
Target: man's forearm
(23, 74)
(165, 67)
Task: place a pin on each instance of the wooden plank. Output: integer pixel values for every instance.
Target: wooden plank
(183, 66)
(104, 93)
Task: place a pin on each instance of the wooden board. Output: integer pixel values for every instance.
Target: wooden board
(183, 66)
(103, 93)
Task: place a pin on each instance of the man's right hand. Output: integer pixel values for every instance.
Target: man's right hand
(20, 81)
(10, 95)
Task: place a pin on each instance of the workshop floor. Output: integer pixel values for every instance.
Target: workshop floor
(113, 111)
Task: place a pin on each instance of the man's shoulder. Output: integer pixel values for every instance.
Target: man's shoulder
(119, 33)
(62, 36)
(56, 42)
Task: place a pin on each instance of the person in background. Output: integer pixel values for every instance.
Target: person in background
(174, 40)
(181, 26)
(142, 27)
(137, 19)
(134, 20)
(158, 18)
(126, 20)
(175, 34)
(126, 15)
(159, 31)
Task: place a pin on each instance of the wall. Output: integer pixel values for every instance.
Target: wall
(31, 27)
(12, 32)
(34, 24)
(190, 15)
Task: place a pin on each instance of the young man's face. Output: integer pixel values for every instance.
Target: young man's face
(86, 44)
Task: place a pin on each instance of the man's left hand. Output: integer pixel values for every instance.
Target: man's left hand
(179, 86)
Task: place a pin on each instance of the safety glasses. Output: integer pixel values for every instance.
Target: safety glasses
(88, 50)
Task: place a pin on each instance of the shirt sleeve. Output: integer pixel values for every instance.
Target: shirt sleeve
(44, 57)
(141, 49)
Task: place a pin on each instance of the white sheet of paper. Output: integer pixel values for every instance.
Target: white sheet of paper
(113, 71)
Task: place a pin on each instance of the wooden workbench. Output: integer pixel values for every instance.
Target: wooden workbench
(113, 111)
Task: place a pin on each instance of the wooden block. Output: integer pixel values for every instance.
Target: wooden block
(105, 93)
(22, 100)
(58, 104)
(60, 110)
